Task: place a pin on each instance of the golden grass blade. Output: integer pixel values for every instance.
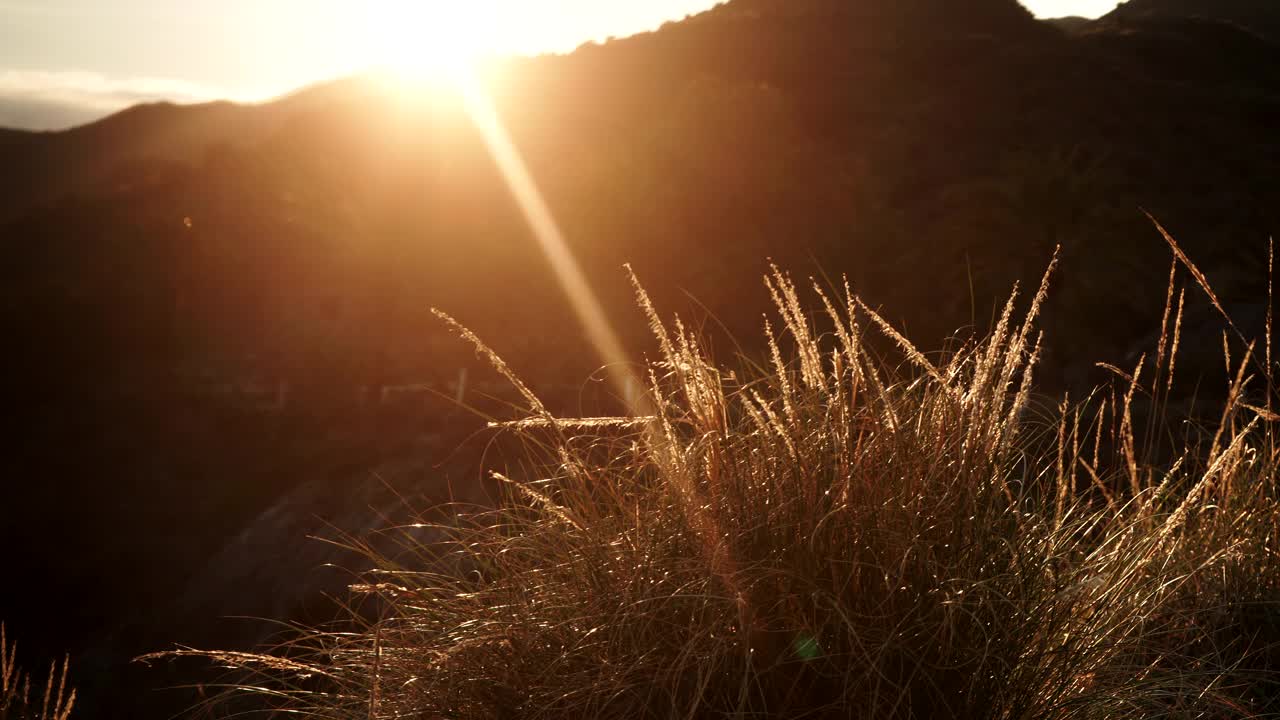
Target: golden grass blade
(1164, 324)
(651, 314)
(496, 361)
(596, 423)
(1200, 278)
(1177, 340)
(905, 345)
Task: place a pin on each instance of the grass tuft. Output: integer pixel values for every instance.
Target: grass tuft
(831, 536)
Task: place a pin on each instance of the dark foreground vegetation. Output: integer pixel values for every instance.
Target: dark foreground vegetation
(829, 537)
(21, 699)
(218, 340)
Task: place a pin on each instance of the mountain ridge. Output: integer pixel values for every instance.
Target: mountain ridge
(1259, 16)
(180, 133)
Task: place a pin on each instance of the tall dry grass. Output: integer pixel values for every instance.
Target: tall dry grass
(19, 701)
(832, 536)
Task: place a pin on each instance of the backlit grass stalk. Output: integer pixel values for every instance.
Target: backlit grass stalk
(19, 701)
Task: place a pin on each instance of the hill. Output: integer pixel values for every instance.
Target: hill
(1259, 16)
(51, 165)
(1070, 24)
(215, 301)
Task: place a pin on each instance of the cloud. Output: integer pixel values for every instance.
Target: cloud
(41, 100)
(32, 7)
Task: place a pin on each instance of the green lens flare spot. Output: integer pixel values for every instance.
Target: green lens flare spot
(807, 648)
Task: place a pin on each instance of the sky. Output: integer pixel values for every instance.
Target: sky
(65, 62)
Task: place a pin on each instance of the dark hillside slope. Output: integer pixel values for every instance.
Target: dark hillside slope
(46, 166)
(1259, 16)
(1070, 24)
(10, 138)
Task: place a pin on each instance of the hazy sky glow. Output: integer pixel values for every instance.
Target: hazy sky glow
(66, 61)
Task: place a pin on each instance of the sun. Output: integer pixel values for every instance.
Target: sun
(431, 40)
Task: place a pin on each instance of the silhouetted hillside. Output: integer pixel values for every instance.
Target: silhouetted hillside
(1070, 24)
(221, 302)
(911, 18)
(47, 166)
(1259, 16)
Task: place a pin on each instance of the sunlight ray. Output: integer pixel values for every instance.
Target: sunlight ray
(524, 189)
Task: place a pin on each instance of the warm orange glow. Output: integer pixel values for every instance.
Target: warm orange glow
(440, 44)
(547, 232)
(430, 40)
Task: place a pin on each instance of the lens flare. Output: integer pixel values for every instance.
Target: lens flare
(552, 241)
